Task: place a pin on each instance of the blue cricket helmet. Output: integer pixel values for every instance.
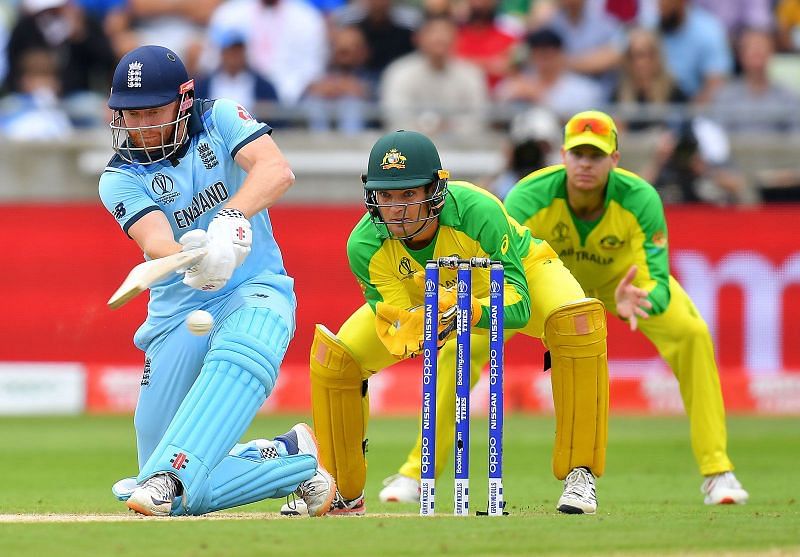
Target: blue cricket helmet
(146, 77)
(150, 77)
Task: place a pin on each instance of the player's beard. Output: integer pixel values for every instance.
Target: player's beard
(157, 139)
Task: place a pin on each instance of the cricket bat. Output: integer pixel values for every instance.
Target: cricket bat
(145, 274)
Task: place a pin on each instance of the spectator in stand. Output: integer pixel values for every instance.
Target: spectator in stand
(179, 25)
(85, 58)
(99, 9)
(696, 48)
(5, 26)
(327, 7)
(34, 113)
(484, 42)
(593, 40)
(286, 41)
(534, 141)
(431, 90)
(114, 16)
(342, 94)
(693, 163)
(787, 17)
(751, 103)
(388, 28)
(234, 79)
(738, 15)
(625, 11)
(647, 93)
(545, 80)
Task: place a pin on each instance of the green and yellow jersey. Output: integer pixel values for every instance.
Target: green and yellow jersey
(472, 223)
(632, 230)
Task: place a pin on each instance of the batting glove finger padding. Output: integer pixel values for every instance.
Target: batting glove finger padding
(230, 226)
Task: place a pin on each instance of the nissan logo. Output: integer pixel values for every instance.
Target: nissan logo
(162, 184)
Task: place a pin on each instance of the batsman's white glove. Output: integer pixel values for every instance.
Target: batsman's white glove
(228, 242)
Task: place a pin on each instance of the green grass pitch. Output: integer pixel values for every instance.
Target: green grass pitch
(649, 499)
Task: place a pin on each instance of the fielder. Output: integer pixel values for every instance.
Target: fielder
(608, 227)
(192, 173)
(414, 213)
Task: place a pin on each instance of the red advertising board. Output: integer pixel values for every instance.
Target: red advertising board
(61, 262)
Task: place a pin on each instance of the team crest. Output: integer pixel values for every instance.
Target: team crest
(611, 242)
(393, 159)
(660, 239)
(134, 75)
(207, 155)
(560, 232)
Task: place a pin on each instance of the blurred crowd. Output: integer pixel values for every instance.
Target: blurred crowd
(693, 73)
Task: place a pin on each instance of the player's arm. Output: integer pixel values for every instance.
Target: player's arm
(501, 238)
(250, 145)
(377, 284)
(136, 213)
(649, 243)
(154, 235)
(268, 176)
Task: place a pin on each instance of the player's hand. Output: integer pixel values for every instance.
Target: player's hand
(213, 271)
(448, 300)
(631, 301)
(230, 231)
(400, 330)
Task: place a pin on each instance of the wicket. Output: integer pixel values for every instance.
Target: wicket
(429, 372)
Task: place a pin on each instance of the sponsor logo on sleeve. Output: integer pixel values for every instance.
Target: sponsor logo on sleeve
(660, 239)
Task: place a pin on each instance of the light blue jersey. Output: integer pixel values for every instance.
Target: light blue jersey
(189, 189)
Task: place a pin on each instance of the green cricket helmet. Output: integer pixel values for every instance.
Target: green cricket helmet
(404, 160)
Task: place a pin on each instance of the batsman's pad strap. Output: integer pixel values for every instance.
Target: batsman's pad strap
(237, 376)
(340, 409)
(576, 336)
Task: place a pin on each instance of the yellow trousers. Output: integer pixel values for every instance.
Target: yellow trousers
(551, 285)
(681, 337)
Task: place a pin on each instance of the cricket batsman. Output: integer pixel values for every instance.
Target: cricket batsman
(415, 213)
(608, 227)
(194, 173)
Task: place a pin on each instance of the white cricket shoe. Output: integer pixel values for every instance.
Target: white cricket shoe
(294, 507)
(154, 497)
(400, 489)
(579, 495)
(723, 489)
(354, 507)
(319, 491)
